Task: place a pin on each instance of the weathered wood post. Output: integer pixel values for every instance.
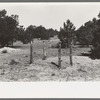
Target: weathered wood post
(31, 52)
(59, 55)
(71, 61)
(44, 50)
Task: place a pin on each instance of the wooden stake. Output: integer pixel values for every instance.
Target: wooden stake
(44, 50)
(31, 52)
(71, 61)
(59, 55)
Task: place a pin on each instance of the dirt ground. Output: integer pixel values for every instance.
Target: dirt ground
(14, 65)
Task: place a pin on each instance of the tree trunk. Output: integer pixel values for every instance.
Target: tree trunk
(68, 43)
(59, 55)
(71, 61)
(7, 44)
(12, 42)
(31, 52)
(74, 41)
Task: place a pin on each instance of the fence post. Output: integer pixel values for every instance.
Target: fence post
(71, 61)
(59, 55)
(44, 50)
(31, 52)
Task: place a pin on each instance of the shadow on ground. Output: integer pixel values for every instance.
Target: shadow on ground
(90, 55)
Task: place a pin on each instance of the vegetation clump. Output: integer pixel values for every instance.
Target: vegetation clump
(4, 51)
(14, 62)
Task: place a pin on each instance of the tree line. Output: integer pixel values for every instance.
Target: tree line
(87, 34)
(11, 31)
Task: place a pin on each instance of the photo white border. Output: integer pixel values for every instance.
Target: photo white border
(50, 90)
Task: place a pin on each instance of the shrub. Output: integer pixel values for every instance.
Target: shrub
(4, 51)
(14, 62)
(55, 46)
(95, 51)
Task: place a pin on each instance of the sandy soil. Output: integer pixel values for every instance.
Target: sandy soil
(83, 69)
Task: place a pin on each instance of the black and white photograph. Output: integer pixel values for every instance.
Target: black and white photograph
(49, 42)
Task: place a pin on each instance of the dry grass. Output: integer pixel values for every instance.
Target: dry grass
(84, 68)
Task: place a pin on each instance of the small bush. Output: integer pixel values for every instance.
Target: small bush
(2, 73)
(55, 46)
(95, 50)
(4, 51)
(63, 45)
(95, 53)
(14, 62)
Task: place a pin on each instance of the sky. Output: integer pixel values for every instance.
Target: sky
(52, 15)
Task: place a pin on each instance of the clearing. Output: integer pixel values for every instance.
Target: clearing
(14, 64)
